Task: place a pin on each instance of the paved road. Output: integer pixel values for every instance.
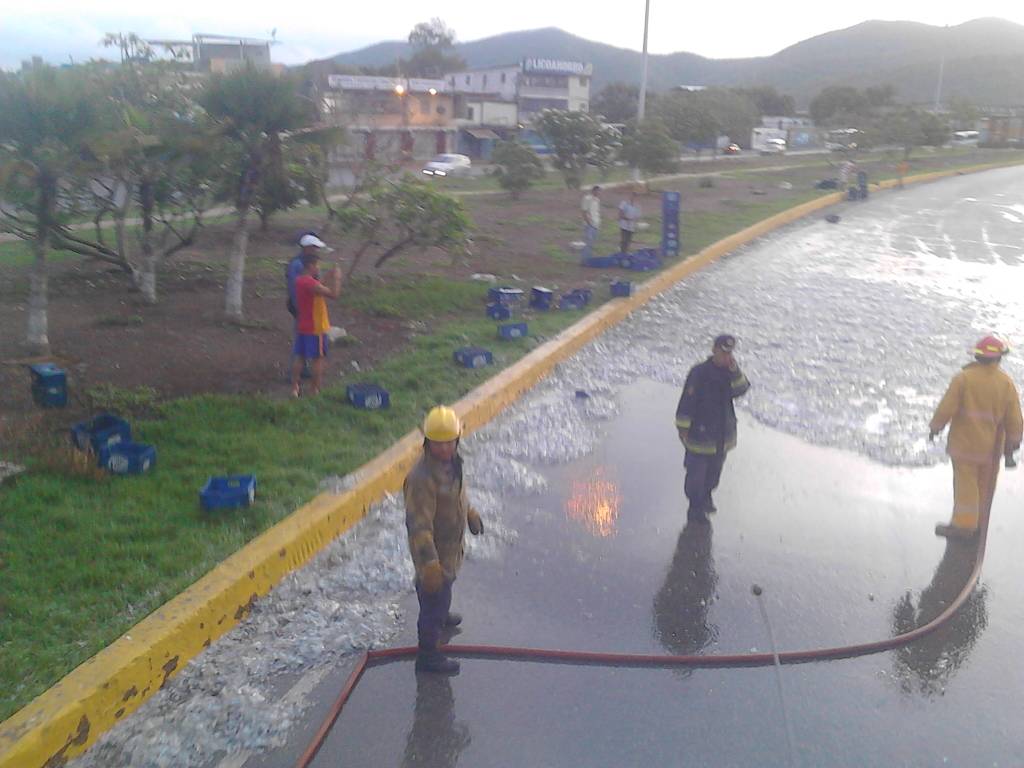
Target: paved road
(845, 552)
(849, 334)
(842, 545)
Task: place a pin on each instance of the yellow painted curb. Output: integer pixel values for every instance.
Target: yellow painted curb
(66, 719)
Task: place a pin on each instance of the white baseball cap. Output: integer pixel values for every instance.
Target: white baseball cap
(316, 242)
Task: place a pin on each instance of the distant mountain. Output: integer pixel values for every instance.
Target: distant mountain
(984, 60)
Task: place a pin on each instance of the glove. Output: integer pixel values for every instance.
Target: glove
(683, 433)
(432, 577)
(476, 525)
(1009, 461)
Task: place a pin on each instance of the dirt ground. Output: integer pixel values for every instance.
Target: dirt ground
(103, 334)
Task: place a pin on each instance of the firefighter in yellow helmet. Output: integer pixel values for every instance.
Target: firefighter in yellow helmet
(982, 408)
(436, 515)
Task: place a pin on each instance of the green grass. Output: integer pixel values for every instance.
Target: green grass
(82, 560)
(414, 296)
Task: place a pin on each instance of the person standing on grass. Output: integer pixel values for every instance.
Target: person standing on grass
(629, 218)
(591, 207)
(312, 322)
(308, 243)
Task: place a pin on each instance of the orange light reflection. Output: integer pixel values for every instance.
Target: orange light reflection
(595, 502)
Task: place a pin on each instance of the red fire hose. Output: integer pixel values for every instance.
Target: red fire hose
(648, 660)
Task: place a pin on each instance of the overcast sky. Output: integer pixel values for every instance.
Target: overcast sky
(59, 29)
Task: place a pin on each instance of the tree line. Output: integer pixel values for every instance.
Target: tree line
(124, 164)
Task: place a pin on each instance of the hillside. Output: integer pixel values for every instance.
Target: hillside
(984, 60)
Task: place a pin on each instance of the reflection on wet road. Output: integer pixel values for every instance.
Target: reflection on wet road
(844, 549)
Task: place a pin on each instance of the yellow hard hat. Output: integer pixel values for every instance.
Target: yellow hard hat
(442, 424)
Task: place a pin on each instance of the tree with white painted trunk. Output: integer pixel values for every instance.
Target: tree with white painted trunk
(253, 110)
(159, 160)
(48, 119)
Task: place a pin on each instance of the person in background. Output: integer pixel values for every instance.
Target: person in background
(308, 243)
(629, 218)
(312, 321)
(591, 207)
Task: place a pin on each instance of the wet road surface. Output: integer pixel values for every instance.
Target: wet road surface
(845, 552)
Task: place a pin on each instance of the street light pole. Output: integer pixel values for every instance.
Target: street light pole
(641, 108)
(642, 102)
(942, 67)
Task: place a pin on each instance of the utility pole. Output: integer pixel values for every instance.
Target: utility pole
(642, 105)
(942, 67)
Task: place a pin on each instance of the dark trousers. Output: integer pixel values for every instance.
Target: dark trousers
(625, 238)
(702, 476)
(433, 614)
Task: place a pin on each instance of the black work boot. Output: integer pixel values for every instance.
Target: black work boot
(453, 620)
(437, 662)
(955, 532)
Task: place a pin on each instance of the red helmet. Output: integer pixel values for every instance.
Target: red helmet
(991, 348)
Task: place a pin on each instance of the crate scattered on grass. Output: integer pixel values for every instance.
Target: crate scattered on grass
(570, 302)
(541, 298)
(577, 298)
(643, 260)
(602, 262)
(49, 385)
(97, 433)
(498, 311)
(228, 492)
(504, 294)
(127, 458)
(369, 397)
(509, 331)
(473, 357)
(622, 289)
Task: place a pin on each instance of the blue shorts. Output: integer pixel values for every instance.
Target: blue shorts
(310, 345)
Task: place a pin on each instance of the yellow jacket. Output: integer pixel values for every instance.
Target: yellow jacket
(436, 514)
(984, 408)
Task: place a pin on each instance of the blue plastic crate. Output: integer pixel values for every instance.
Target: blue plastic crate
(499, 311)
(640, 261)
(228, 492)
(541, 298)
(127, 458)
(49, 385)
(583, 294)
(504, 295)
(95, 434)
(602, 262)
(369, 397)
(473, 357)
(622, 288)
(513, 330)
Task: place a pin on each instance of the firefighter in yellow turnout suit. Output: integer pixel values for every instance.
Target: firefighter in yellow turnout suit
(982, 408)
(437, 513)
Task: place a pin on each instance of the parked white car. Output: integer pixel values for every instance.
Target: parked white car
(774, 147)
(448, 165)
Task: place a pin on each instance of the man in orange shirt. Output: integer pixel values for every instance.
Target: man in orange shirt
(312, 323)
(983, 409)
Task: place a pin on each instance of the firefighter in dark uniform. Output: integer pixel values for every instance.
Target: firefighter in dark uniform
(706, 421)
